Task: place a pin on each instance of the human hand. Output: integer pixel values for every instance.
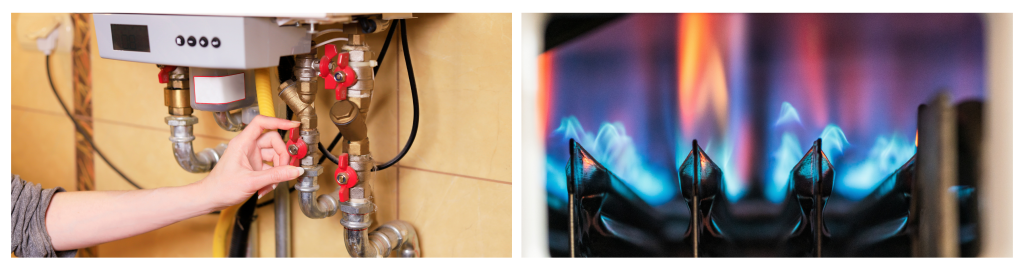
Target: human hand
(241, 171)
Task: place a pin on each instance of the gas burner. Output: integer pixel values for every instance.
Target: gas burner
(927, 207)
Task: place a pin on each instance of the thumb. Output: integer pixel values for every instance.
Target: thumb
(275, 175)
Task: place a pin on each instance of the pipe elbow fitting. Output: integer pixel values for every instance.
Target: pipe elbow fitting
(229, 121)
(399, 236)
(321, 207)
(181, 144)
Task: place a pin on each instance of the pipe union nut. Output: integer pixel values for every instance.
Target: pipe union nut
(350, 208)
(181, 120)
(313, 172)
(307, 188)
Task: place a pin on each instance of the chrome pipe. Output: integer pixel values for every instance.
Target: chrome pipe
(399, 236)
(229, 121)
(181, 143)
(324, 206)
(395, 236)
(358, 244)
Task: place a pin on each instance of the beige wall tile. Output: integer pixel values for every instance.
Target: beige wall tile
(43, 148)
(189, 238)
(463, 69)
(456, 216)
(142, 154)
(29, 86)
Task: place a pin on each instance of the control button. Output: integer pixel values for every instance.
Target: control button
(179, 40)
(215, 42)
(203, 42)
(191, 41)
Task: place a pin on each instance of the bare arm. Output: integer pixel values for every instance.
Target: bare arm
(83, 219)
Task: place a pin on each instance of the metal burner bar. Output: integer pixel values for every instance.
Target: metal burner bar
(934, 211)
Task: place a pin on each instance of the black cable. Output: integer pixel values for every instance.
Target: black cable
(329, 148)
(380, 59)
(387, 42)
(49, 78)
(240, 232)
(327, 154)
(415, 103)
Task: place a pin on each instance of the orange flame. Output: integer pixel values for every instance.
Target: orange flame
(702, 80)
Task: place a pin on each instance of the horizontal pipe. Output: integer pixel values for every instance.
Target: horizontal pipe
(399, 236)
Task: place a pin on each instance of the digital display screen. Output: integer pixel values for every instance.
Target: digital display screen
(128, 37)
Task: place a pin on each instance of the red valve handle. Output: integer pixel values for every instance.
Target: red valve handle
(345, 176)
(330, 82)
(300, 147)
(165, 74)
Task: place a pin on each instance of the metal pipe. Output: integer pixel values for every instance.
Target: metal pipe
(324, 205)
(350, 117)
(230, 121)
(176, 98)
(181, 142)
(399, 236)
(358, 244)
(394, 236)
(282, 221)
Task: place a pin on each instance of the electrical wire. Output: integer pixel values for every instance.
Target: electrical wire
(88, 138)
(324, 32)
(384, 49)
(327, 153)
(415, 103)
(329, 41)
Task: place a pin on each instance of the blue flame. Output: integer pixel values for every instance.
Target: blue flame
(784, 159)
(613, 148)
(734, 189)
(787, 115)
(832, 141)
(886, 155)
(857, 174)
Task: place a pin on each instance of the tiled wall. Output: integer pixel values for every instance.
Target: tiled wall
(454, 186)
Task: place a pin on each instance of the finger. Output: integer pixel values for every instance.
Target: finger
(274, 175)
(270, 156)
(266, 167)
(273, 141)
(263, 191)
(260, 123)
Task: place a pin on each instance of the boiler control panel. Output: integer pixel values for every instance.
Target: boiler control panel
(215, 42)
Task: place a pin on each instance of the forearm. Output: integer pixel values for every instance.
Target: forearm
(83, 219)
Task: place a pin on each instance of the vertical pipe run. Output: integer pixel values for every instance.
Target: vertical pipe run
(282, 221)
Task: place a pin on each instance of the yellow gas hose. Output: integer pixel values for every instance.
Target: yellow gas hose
(227, 216)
